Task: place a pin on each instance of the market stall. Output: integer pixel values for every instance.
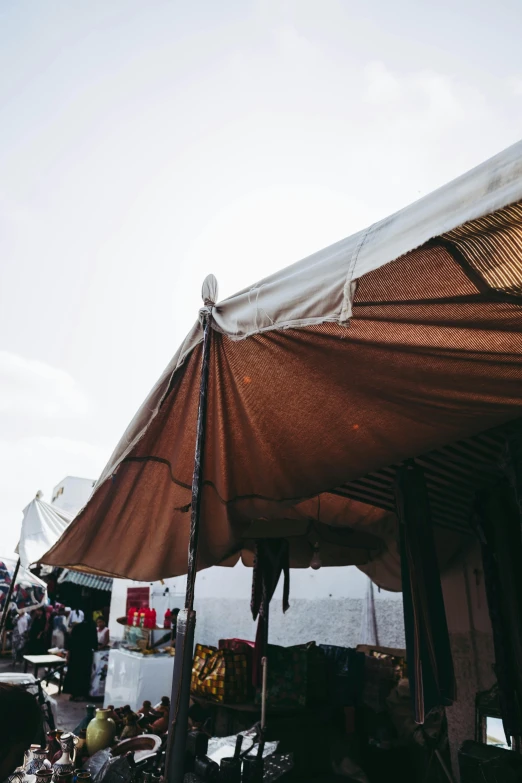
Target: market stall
(359, 398)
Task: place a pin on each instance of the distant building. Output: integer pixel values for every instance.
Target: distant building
(72, 493)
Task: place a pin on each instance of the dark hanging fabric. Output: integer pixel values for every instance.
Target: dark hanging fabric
(271, 559)
(430, 663)
(497, 521)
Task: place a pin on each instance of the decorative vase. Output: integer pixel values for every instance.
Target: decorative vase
(65, 763)
(90, 711)
(100, 732)
(38, 761)
(44, 775)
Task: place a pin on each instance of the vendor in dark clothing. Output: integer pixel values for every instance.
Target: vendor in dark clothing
(82, 642)
(37, 642)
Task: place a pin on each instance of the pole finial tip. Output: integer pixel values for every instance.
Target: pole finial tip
(209, 291)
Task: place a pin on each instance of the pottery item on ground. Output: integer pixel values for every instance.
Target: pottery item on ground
(82, 776)
(18, 776)
(63, 777)
(37, 761)
(164, 706)
(161, 725)
(100, 732)
(131, 728)
(90, 711)
(143, 747)
(65, 763)
(113, 714)
(146, 709)
(44, 775)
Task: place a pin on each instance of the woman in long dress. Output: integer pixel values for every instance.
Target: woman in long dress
(83, 640)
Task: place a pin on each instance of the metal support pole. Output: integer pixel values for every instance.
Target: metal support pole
(179, 703)
(264, 664)
(9, 596)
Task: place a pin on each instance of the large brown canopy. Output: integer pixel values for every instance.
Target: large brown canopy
(391, 344)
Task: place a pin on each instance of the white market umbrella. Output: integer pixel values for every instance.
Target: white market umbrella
(42, 526)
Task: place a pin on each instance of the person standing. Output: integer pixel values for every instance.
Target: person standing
(59, 629)
(103, 634)
(81, 645)
(36, 640)
(76, 616)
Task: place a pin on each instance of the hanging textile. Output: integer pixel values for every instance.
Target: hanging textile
(430, 663)
(271, 559)
(497, 521)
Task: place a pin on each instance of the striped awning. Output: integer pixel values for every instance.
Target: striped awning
(86, 580)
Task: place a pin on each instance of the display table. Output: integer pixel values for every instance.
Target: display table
(133, 677)
(54, 663)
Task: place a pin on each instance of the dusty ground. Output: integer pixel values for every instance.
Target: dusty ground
(69, 713)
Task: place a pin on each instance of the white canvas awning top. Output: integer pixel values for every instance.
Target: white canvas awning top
(42, 526)
(397, 342)
(320, 288)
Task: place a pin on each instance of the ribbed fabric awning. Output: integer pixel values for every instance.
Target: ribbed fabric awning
(402, 341)
(86, 580)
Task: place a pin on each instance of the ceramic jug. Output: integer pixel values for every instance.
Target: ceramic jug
(37, 761)
(100, 732)
(65, 763)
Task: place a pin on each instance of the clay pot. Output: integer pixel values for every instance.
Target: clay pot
(63, 777)
(82, 776)
(100, 732)
(161, 725)
(44, 775)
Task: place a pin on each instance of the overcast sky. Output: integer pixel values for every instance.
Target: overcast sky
(146, 144)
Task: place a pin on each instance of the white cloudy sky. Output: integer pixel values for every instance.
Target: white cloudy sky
(145, 144)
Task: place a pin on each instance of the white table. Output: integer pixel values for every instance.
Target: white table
(52, 662)
(132, 678)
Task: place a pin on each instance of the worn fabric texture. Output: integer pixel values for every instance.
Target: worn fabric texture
(302, 411)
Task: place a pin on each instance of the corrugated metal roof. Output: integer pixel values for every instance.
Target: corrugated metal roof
(453, 476)
(86, 580)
